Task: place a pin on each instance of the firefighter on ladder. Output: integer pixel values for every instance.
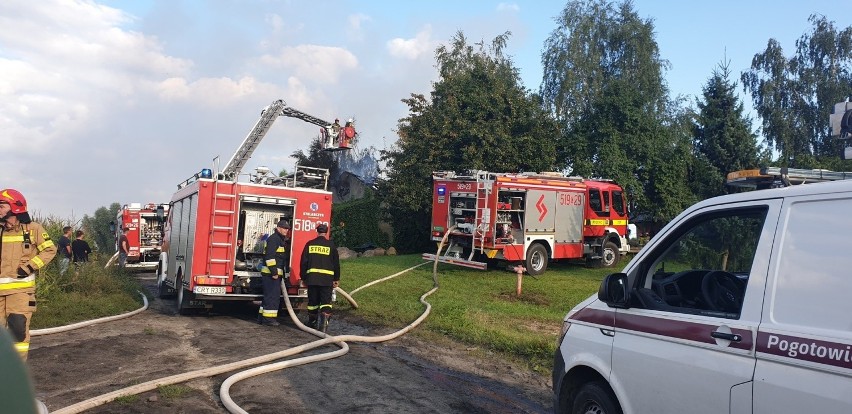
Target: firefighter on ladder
(276, 259)
(320, 268)
(26, 247)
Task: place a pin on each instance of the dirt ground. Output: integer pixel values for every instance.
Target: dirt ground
(405, 375)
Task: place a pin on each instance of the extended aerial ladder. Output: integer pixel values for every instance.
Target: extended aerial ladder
(267, 118)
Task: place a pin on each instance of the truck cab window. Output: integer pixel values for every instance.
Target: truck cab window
(704, 268)
(595, 200)
(618, 202)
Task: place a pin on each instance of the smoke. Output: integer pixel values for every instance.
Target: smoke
(361, 163)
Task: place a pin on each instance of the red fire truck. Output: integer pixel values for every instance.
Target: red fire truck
(527, 218)
(144, 234)
(217, 226)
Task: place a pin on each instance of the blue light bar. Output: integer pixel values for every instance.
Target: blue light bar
(442, 190)
(206, 173)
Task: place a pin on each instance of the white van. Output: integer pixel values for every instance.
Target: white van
(742, 304)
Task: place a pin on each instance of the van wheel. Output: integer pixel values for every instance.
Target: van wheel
(609, 255)
(595, 398)
(537, 259)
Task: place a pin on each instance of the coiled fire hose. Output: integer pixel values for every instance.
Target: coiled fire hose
(233, 366)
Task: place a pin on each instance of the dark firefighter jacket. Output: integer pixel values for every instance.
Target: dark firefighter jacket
(276, 255)
(320, 265)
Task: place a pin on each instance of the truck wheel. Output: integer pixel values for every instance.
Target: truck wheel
(163, 290)
(595, 398)
(183, 298)
(610, 255)
(537, 259)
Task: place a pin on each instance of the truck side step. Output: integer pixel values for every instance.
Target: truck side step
(456, 261)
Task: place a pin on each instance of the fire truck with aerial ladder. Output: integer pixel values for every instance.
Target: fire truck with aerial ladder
(528, 218)
(216, 227)
(144, 233)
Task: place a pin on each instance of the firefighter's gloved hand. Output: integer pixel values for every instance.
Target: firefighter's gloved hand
(22, 272)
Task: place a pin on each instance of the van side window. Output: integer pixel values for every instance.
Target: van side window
(704, 268)
(813, 280)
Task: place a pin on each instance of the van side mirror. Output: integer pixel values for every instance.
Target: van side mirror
(161, 213)
(112, 227)
(613, 291)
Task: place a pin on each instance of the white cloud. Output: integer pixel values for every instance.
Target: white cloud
(355, 20)
(413, 49)
(321, 64)
(209, 91)
(55, 56)
(276, 22)
(510, 7)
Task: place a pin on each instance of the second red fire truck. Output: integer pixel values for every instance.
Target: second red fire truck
(527, 218)
(144, 233)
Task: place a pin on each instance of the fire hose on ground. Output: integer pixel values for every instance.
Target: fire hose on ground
(339, 340)
(221, 369)
(64, 328)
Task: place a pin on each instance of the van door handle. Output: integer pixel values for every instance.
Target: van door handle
(728, 336)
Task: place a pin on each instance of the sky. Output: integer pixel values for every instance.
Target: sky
(120, 100)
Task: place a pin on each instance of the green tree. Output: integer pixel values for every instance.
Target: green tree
(97, 228)
(479, 117)
(794, 96)
(724, 141)
(603, 79)
(316, 157)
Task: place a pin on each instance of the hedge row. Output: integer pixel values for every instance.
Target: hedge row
(356, 224)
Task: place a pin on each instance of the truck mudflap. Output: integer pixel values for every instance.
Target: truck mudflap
(456, 261)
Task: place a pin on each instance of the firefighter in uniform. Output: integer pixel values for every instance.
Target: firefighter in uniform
(25, 249)
(320, 268)
(275, 267)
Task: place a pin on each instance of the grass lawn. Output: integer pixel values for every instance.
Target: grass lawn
(480, 308)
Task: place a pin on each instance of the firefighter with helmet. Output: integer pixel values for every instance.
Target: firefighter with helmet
(275, 267)
(26, 247)
(320, 268)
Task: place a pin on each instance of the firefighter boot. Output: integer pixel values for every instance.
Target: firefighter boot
(312, 319)
(270, 322)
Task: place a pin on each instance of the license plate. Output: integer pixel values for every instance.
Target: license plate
(210, 290)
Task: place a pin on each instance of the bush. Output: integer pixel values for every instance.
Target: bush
(356, 223)
(85, 291)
